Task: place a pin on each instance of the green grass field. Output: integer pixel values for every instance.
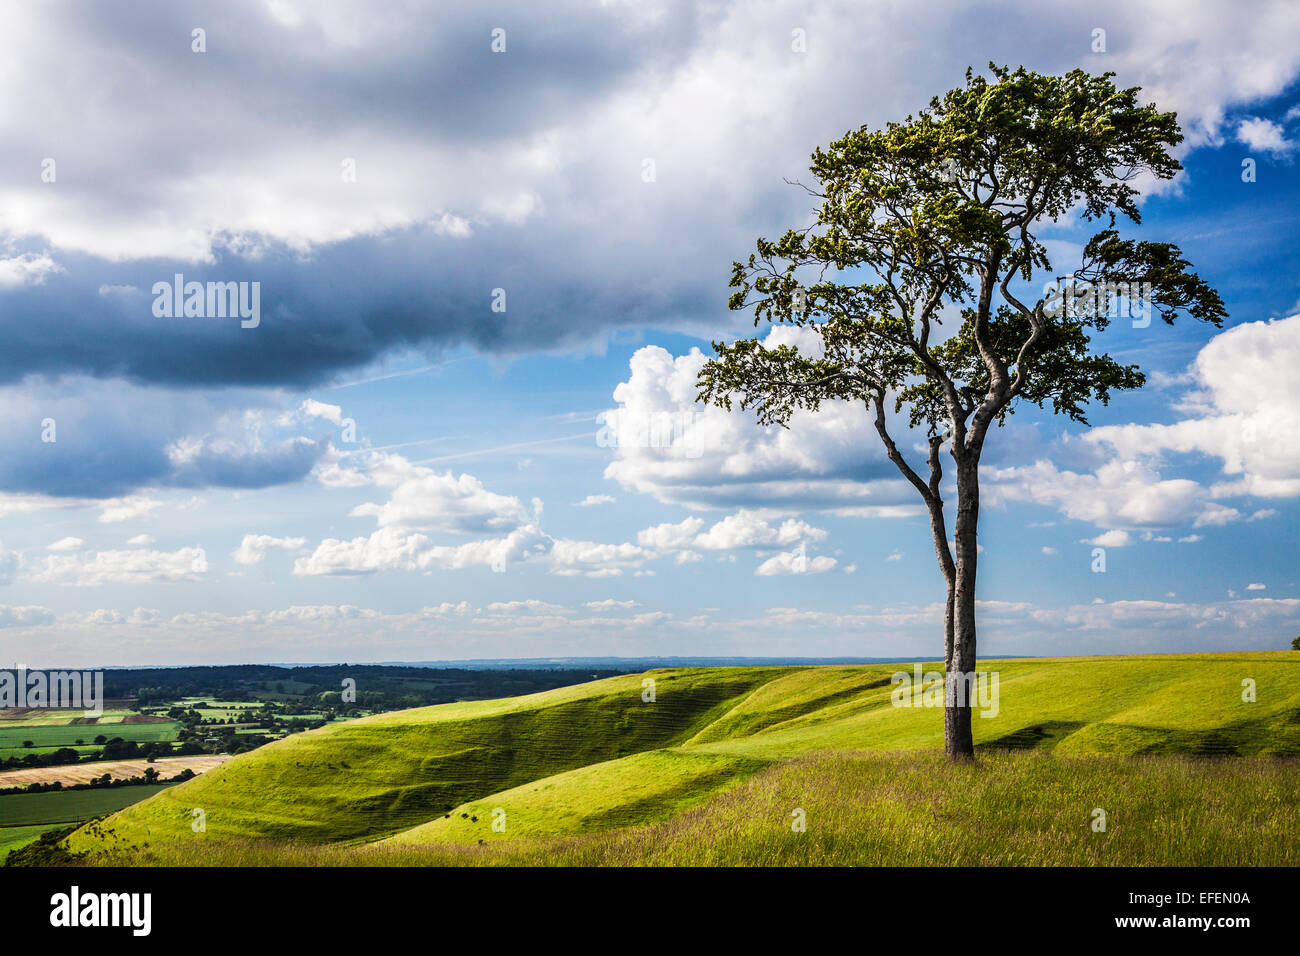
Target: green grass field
(11, 838)
(53, 736)
(34, 718)
(69, 806)
(6, 752)
(580, 771)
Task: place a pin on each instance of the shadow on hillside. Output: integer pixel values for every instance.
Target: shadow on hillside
(1274, 736)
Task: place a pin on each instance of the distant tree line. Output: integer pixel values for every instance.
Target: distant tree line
(378, 686)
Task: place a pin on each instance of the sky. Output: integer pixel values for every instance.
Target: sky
(491, 245)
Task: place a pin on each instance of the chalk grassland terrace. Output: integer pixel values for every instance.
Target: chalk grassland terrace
(710, 767)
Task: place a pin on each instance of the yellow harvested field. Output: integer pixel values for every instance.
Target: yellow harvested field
(119, 769)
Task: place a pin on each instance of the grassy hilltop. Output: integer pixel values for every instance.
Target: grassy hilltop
(713, 768)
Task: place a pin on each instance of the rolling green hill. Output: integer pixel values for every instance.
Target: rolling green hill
(597, 756)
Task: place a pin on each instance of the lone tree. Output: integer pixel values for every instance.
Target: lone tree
(937, 217)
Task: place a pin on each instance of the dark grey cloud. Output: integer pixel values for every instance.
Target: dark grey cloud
(112, 439)
(346, 306)
(233, 467)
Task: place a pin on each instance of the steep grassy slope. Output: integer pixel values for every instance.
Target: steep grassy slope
(370, 777)
(604, 796)
(596, 756)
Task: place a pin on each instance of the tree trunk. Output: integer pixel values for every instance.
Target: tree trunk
(948, 619)
(948, 569)
(959, 682)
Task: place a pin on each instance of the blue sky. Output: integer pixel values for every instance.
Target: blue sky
(388, 468)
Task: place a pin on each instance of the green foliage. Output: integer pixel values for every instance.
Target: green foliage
(942, 211)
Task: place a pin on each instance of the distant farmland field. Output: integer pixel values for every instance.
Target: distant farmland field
(40, 716)
(66, 735)
(117, 769)
(25, 816)
(6, 752)
(11, 838)
(70, 806)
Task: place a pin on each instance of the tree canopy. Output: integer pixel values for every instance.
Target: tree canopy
(943, 210)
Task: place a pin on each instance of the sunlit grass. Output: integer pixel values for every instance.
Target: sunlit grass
(897, 809)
